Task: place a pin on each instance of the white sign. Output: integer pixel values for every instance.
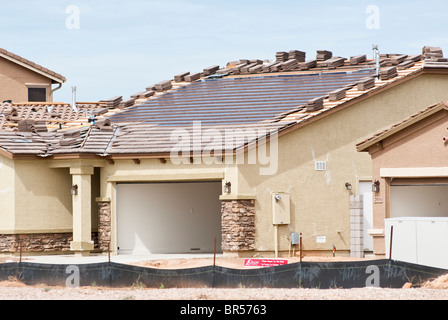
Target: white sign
(321, 239)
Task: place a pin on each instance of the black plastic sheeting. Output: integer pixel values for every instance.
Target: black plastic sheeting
(324, 275)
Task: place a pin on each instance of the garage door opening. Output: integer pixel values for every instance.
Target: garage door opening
(418, 200)
(166, 218)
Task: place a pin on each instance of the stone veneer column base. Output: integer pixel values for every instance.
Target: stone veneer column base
(38, 242)
(238, 226)
(104, 225)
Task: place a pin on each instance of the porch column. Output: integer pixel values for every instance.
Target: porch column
(82, 242)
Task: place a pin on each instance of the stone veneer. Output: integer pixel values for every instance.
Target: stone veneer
(238, 225)
(104, 225)
(59, 242)
(38, 242)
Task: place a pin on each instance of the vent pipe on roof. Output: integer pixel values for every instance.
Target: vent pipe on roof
(75, 109)
(376, 56)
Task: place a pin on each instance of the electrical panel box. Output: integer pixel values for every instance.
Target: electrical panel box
(281, 208)
(295, 238)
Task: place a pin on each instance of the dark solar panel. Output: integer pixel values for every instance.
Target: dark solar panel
(237, 100)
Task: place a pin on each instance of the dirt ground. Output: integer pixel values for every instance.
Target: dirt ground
(235, 263)
(15, 290)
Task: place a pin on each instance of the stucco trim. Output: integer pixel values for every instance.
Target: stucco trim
(424, 172)
(237, 197)
(200, 176)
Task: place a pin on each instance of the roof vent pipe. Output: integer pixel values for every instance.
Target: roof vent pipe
(75, 109)
(376, 56)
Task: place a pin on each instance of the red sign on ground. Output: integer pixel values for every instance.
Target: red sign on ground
(264, 262)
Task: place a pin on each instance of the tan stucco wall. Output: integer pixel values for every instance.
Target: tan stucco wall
(43, 201)
(13, 78)
(6, 195)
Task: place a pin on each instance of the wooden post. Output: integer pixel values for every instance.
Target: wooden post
(214, 253)
(391, 236)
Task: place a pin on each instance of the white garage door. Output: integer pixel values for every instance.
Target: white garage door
(168, 217)
(419, 201)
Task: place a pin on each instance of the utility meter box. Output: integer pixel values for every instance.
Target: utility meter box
(281, 208)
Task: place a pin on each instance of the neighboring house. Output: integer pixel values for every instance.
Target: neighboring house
(410, 164)
(22, 80)
(249, 154)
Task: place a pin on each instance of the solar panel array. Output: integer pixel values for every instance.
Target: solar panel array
(237, 100)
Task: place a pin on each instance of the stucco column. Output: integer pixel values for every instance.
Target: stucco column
(82, 224)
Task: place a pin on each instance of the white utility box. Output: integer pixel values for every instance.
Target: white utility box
(420, 240)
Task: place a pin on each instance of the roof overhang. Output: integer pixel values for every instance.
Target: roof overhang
(34, 67)
(377, 139)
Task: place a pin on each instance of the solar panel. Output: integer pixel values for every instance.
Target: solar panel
(237, 100)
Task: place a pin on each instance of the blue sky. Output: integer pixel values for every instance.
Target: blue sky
(118, 48)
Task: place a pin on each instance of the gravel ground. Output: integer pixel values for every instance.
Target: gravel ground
(87, 293)
(13, 290)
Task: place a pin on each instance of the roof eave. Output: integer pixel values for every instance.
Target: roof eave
(54, 78)
(365, 146)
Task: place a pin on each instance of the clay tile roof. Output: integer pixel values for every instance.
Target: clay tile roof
(54, 115)
(56, 77)
(253, 97)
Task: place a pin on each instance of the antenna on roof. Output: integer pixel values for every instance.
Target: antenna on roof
(376, 56)
(75, 109)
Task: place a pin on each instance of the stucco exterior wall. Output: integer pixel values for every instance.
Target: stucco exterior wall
(13, 79)
(42, 199)
(7, 196)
